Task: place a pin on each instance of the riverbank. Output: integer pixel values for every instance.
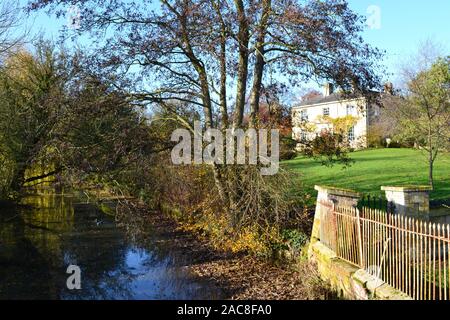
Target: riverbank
(134, 252)
(239, 275)
(46, 234)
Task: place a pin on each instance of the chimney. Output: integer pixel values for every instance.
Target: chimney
(327, 89)
(388, 88)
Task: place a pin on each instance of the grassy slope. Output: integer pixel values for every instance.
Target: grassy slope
(374, 168)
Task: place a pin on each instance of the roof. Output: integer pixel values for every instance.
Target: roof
(334, 97)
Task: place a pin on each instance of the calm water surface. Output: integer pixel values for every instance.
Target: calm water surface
(38, 244)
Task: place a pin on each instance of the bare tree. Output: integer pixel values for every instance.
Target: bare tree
(214, 54)
(11, 36)
(422, 110)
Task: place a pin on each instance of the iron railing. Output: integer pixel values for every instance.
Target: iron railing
(376, 202)
(411, 255)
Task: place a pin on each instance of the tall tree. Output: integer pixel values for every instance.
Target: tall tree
(56, 116)
(30, 100)
(205, 52)
(423, 112)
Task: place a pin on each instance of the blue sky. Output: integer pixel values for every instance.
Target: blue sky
(403, 25)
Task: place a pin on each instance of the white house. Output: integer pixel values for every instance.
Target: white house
(309, 117)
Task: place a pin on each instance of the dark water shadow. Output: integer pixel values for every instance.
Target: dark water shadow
(40, 240)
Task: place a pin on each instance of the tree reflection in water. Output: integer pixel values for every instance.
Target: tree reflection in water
(38, 243)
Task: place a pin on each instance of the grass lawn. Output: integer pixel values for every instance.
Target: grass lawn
(376, 168)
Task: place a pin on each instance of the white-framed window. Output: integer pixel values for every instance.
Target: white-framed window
(326, 112)
(303, 135)
(350, 110)
(351, 134)
(304, 115)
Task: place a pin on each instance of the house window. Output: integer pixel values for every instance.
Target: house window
(304, 116)
(351, 134)
(303, 136)
(350, 110)
(326, 112)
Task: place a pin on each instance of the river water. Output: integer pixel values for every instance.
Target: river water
(40, 240)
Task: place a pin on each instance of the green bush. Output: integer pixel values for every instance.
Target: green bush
(294, 239)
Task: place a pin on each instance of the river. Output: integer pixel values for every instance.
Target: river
(48, 233)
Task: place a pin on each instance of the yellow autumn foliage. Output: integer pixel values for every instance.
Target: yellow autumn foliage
(215, 228)
(339, 125)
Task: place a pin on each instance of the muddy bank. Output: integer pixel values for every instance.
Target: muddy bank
(239, 276)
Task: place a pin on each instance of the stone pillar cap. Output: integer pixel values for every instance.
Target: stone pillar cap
(408, 188)
(338, 192)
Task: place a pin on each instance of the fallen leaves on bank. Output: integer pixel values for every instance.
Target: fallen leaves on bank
(240, 276)
(249, 278)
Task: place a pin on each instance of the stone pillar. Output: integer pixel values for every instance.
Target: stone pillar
(409, 200)
(340, 197)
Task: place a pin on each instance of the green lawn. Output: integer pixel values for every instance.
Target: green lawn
(375, 168)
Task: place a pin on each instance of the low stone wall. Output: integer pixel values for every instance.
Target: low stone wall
(339, 197)
(409, 200)
(349, 281)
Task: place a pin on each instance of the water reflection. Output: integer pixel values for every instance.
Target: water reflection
(37, 244)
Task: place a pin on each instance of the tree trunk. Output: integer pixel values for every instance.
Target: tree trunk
(223, 66)
(206, 98)
(207, 107)
(43, 176)
(241, 88)
(430, 157)
(430, 169)
(219, 182)
(200, 69)
(259, 63)
(18, 178)
(223, 81)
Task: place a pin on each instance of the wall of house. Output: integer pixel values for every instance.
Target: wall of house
(337, 109)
